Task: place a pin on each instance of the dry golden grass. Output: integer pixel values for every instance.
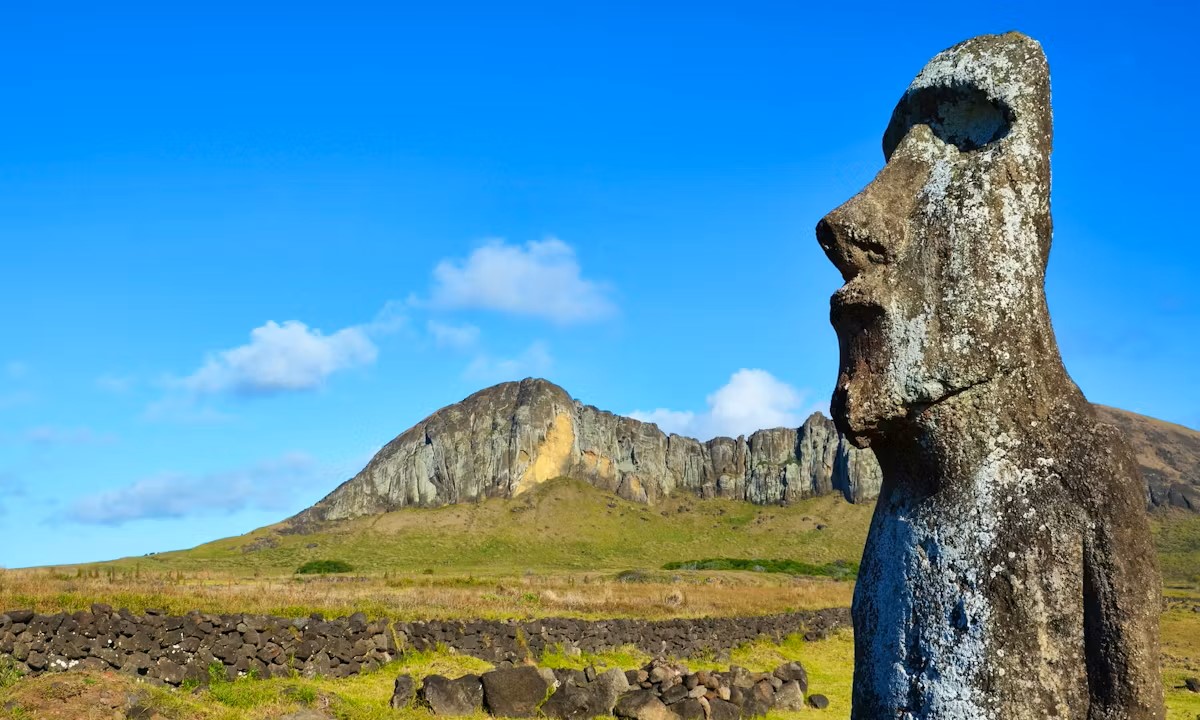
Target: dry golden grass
(418, 597)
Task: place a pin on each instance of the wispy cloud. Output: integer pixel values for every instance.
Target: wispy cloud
(538, 279)
(268, 485)
(751, 400)
(534, 360)
(458, 337)
(281, 358)
(52, 435)
(392, 317)
(116, 384)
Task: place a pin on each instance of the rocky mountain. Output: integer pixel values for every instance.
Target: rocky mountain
(506, 439)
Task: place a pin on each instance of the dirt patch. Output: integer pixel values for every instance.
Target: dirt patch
(76, 696)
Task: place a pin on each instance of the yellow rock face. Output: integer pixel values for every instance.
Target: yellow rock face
(603, 467)
(553, 456)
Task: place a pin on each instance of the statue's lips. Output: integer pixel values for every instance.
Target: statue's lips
(851, 308)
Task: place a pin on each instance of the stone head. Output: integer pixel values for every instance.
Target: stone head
(944, 253)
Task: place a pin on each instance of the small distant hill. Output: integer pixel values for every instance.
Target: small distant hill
(505, 440)
(1169, 455)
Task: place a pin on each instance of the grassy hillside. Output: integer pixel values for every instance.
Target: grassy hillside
(565, 548)
(563, 525)
(569, 526)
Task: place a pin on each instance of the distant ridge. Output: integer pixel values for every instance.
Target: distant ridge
(508, 438)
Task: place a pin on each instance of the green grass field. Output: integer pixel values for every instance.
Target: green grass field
(564, 549)
(564, 525)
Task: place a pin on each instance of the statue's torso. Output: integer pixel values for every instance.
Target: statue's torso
(969, 601)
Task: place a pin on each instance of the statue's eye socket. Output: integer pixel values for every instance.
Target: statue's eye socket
(964, 117)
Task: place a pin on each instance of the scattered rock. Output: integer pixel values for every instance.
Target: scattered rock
(461, 696)
(405, 691)
(643, 705)
(820, 702)
(690, 709)
(793, 671)
(674, 694)
(515, 692)
(790, 696)
(723, 710)
(577, 702)
(1192, 684)
(759, 700)
(611, 684)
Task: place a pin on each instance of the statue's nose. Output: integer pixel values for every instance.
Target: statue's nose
(854, 236)
(872, 227)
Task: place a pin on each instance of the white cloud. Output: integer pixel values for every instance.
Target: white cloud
(751, 400)
(392, 317)
(533, 361)
(51, 435)
(282, 358)
(269, 485)
(116, 384)
(539, 279)
(453, 336)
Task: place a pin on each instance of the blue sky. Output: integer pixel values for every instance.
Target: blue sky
(243, 248)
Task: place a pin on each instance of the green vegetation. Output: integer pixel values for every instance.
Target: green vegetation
(624, 657)
(561, 525)
(1177, 536)
(10, 671)
(324, 567)
(838, 569)
(101, 696)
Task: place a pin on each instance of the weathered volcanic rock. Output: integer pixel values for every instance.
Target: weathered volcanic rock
(643, 705)
(515, 692)
(578, 702)
(404, 691)
(460, 696)
(504, 440)
(1009, 571)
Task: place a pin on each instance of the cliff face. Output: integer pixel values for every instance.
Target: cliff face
(506, 439)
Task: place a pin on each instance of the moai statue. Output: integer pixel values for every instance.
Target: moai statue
(1009, 573)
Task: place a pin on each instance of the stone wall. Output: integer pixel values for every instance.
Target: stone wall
(178, 648)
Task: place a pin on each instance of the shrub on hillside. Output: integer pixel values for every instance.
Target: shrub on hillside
(324, 567)
(839, 569)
